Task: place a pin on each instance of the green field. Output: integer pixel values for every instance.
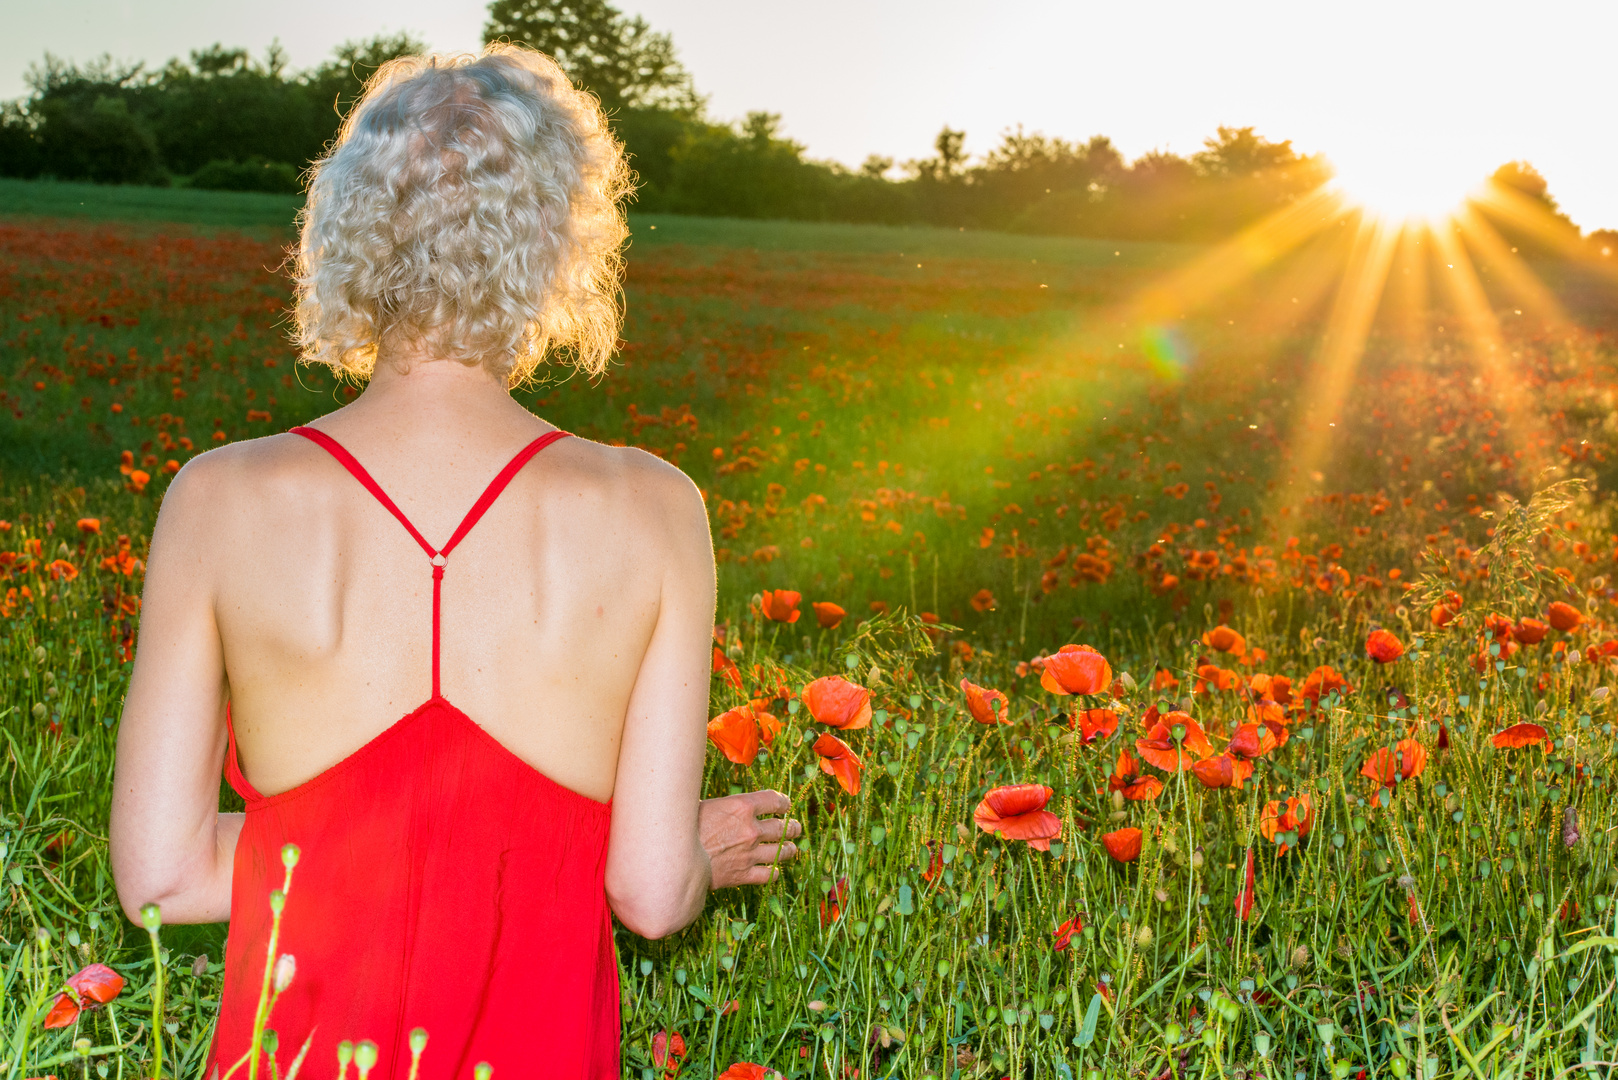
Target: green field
(983, 447)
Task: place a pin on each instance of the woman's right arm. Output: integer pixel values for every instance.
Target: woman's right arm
(658, 874)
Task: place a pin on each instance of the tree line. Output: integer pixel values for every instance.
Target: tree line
(226, 120)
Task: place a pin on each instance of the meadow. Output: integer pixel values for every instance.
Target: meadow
(1326, 799)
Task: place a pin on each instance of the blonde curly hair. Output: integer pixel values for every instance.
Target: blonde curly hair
(470, 205)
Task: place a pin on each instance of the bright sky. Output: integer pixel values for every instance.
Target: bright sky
(1438, 91)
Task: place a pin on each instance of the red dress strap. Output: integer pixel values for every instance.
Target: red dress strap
(233, 765)
(473, 516)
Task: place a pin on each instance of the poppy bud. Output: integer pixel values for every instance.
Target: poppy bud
(482, 1071)
(151, 917)
(289, 856)
(278, 901)
(1117, 800)
(1196, 859)
(286, 968)
(1143, 936)
(418, 1041)
(1300, 957)
(345, 1054)
(271, 1042)
(199, 966)
(365, 1057)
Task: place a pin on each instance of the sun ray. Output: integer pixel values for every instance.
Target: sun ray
(1501, 386)
(1354, 307)
(1512, 271)
(1519, 210)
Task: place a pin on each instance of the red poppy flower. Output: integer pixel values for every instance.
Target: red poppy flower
(1096, 723)
(1217, 677)
(1244, 899)
(61, 570)
(746, 1070)
(935, 860)
(667, 1050)
(986, 706)
(1564, 617)
(780, 605)
(1321, 682)
(1158, 747)
(1017, 812)
(736, 734)
(90, 525)
(837, 760)
(828, 614)
(1123, 845)
(1530, 631)
(983, 600)
(723, 666)
(1443, 737)
(1064, 933)
(1126, 778)
(1222, 771)
(96, 984)
(1277, 688)
(1296, 815)
(1412, 758)
(1383, 647)
(1225, 640)
(838, 703)
(1251, 741)
(1266, 711)
(831, 908)
(1520, 735)
(1382, 767)
(1076, 669)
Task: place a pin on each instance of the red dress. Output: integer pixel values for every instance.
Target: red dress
(444, 883)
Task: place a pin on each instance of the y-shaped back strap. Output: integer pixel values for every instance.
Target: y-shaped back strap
(439, 557)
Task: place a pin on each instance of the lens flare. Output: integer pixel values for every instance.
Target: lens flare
(1167, 352)
(1397, 189)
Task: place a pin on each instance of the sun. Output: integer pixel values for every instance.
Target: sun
(1400, 189)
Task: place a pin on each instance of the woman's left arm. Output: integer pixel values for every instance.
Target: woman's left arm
(170, 844)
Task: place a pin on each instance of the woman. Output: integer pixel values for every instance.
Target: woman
(547, 650)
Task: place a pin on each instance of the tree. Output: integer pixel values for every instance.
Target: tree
(621, 60)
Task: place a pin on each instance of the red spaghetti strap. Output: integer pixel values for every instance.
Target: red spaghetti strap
(344, 458)
(479, 508)
(498, 484)
(233, 765)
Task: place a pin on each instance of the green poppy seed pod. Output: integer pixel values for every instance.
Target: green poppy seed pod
(1399, 1066)
(39, 654)
(1178, 731)
(482, 1071)
(345, 1053)
(271, 1042)
(365, 1057)
(1261, 1044)
(1327, 1033)
(39, 710)
(1339, 1069)
(278, 901)
(81, 1047)
(418, 1041)
(289, 856)
(285, 969)
(1209, 1037)
(151, 917)
(1173, 1033)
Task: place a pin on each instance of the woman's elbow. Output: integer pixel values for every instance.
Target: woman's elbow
(654, 917)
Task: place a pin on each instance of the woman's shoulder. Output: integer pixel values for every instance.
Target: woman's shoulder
(627, 486)
(214, 484)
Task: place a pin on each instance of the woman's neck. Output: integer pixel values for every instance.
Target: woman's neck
(434, 391)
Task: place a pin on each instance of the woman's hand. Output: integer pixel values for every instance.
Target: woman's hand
(747, 837)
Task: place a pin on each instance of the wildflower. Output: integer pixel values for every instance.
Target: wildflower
(828, 614)
(1126, 778)
(1276, 688)
(838, 703)
(1096, 724)
(986, 706)
(1244, 899)
(1412, 758)
(1564, 617)
(724, 667)
(286, 969)
(1123, 845)
(1076, 669)
(983, 600)
(1217, 677)
(1017, 812)
(1251, 741)
(1224, 639)
(1323, 682)
(1159, 748)
(831, 908)
(1296, 816)
(90, 526)
(736, 734)
(1445, 610)
(1064, 933)
(1222, 771)
(667, 1050)
(840, 762)
(746, 1070)
(1519, 735)
(1530, 631)
(94, 985)
(1381, 767)
(780, 605)
(61, 570)
(935, 860)
(1383, 647)
(138, 479)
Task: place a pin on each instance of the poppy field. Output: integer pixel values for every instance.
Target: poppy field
(1168, 690)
